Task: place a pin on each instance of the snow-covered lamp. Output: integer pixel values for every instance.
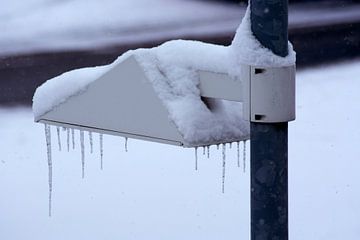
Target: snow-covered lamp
(184, 93)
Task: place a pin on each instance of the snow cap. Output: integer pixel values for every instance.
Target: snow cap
(246, 49)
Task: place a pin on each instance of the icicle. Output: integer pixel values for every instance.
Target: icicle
(223, 167)
(58, 135)
(238, 153)
(101, 151)
(73, 137)
(244, 157)
(68, 139)
(196, 159)
(126, 144)
(203, 150)
(48, 148)
(208, 151)
(230, 145)
(91, 142)
(82, 153)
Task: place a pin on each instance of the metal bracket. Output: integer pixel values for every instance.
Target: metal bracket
(269, 94)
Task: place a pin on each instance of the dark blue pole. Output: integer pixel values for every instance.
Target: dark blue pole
(269, 24)
(269, 141)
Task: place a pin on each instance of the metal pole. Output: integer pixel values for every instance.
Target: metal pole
(269, 141)
(269, 24)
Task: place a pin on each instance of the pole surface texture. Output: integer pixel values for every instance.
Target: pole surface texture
(269, 181)
(269, 141)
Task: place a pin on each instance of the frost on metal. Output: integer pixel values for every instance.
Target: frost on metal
(173, 71)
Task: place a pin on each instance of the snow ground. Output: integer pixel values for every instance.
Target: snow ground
(153, 192)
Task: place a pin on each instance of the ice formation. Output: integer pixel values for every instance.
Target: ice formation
(223, 167)
(244, 157)
(101, 150)
(68, 139)
(238, 153)
(172, 69)
(58, 137)
(196, 158)
(126, 144)
(48, 149)
(82, 145)
(73, 138)
(91, 142)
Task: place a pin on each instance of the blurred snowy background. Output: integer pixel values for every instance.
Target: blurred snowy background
(33, 26)
(40, 25)
(153, 192)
